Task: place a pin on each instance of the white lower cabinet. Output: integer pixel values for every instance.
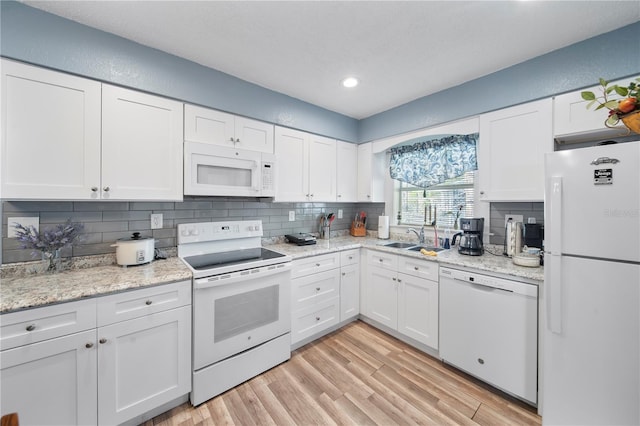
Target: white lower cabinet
(349, 284)
(58, 368)
(403, 301)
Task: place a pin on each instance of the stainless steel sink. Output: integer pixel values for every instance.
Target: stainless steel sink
(427, 248)
(399, 245)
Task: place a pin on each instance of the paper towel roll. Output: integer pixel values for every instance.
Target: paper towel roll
(383, 227)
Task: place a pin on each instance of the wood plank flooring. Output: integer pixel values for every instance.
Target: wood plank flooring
(357, 376)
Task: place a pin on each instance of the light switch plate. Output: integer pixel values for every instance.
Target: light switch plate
(514, 218)
(339, 213)
(24, 221)
(156, 220)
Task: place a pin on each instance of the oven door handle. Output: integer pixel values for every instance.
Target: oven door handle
(236, 277)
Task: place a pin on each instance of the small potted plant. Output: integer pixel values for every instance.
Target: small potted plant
(622, 102)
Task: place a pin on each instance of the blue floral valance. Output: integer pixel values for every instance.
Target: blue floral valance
(429, 163)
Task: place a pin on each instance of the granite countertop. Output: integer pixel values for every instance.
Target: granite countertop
(30, 291)
(23, 291)
(497, 264)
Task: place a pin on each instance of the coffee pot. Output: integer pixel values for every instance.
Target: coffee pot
(471, 237)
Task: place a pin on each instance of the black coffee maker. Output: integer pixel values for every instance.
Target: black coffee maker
(471, 237)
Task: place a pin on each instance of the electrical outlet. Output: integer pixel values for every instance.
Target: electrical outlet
(514, 218)
(292, 215)
(339, 213)
(24, 221)
(156, 220)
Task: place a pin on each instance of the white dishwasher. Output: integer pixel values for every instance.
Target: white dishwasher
(489, 328)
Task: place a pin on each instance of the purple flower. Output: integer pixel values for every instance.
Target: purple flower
(49, 240)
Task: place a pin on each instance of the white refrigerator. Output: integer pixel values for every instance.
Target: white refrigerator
(591, 326)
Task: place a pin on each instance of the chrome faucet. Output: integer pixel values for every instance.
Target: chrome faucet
(420, 235)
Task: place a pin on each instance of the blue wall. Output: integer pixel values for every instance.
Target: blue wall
(41, 38)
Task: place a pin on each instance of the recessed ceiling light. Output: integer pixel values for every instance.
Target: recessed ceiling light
(350, 82)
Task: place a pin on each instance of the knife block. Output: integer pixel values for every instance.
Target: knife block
(358, 229)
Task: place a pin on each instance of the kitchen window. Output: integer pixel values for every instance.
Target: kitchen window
(443, 200)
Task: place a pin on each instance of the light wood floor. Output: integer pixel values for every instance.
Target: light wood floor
(357, 376)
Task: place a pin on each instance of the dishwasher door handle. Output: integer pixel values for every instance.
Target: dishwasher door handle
(484, 287)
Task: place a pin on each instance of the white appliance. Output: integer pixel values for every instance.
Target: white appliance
(241, 304)
(489, 328)
(221, 171)
(591, 339)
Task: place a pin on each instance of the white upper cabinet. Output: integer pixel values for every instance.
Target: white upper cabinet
(306, 166)
(71, 138)
(511, 151)
(219, 128)
(573, 122)
(370, 174)
(141, 146)
(346, 172)
(50, 134)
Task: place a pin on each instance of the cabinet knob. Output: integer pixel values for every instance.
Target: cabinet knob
(350, 257)
(481, 192)
(317, 318)
(344, 273)
(317, 264)
(105, 189)
(311, 195)
(380, 260)
(317, 288)
(339, 196)
(231, 139)
(88, 345)
(238, 140)
(103, 341)
(31, 327)
(416, 268)
(94, 189)
(368, 196)
(480, 361)
(148, 302)
(394, 278)
(399, 280)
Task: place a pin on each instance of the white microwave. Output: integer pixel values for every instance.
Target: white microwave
(221, 171)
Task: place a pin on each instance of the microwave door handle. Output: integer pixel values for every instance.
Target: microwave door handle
(255, 176)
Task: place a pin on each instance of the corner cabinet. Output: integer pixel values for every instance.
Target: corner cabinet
(141, 146)
(306, 169)
(71, 138)
(371, 169)
(100, 361)
(220, 128)
(512, 145)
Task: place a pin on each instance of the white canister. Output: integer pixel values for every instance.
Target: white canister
(135, 250)
(383, 227)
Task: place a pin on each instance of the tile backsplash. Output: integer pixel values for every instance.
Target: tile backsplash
(105, 222)
(499, 210)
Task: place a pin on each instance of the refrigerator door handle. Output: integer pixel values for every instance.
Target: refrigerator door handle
(553, 219)
(553, 292)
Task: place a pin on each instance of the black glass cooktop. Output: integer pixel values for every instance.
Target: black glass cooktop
(204, 262)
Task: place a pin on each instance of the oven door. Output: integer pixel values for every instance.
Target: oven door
(216, 170)
(235, 312)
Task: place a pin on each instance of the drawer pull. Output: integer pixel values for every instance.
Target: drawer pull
(350, 257)
(148, 302)
(317, 264)
(380, 259)
(317, 318)
(103, 341)
(399, 280)
(416, 268)
(88, 345)
(480, 361)
(394, 278)
(317, 288)
(344, 273)
(31, 327)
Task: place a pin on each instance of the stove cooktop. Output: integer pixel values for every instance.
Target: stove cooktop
(223, 262)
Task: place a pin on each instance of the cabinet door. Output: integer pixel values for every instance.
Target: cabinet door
(50, 134)
(52, 382)
(382, 296)
(511, 151)
(208, 126)
(141, 146)
(143, 363)
(371, 172)
(292, 152)
(349, 291)
(254, 135)
(418, 309)
(322, 168)
(346, 172)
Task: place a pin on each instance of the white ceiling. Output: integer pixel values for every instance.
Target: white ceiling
(399, 50)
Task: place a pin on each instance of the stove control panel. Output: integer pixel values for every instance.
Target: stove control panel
(216, 231)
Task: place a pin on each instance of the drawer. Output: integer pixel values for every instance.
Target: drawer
(418, 268)
(315, 288)
(35, 325)
(137, 303)
(349, 257)
(314, 319)
(382, 259)
(315, 264)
